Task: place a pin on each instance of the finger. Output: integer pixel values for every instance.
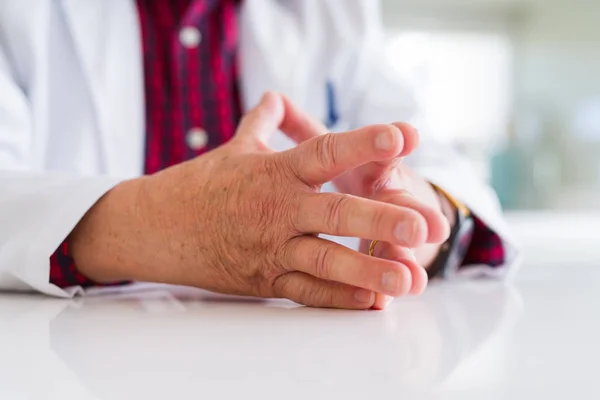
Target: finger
(349, 216)
(380, 173)
(321, 159)
(411, 137)
(405, 256)
(298, 125)
(332, 262)
(382, 301)
(313, 292)
(263, 120)
(301, 127)
(438, 227)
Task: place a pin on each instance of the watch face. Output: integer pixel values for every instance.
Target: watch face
(459, 246)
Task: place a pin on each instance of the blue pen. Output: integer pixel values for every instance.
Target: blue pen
(332, 113)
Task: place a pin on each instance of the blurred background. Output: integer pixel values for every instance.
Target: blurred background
(515, 85)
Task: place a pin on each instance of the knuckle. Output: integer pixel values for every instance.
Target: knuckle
(277, 271)
(380, 218)
(323, 262)
(280, 287)
(318, 295)
(326, 297)
(326, 151)
(294, 215)
(336, 213)
(367, 270)
(289, 166)
(281, 203)
(282, 256)
(270, 167)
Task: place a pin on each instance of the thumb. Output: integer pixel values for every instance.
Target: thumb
(298, 125)
(262, 121)
(411, 142)
(381, 174)
(301, 127)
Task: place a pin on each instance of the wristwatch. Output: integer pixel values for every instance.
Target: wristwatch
(452, 252)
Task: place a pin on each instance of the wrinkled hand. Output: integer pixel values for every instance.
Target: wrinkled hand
(244, 220)
(392, 182)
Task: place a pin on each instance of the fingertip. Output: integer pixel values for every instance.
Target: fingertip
(413, 277)
(419, 278)
(389, 140)
(446, 230)
(439, 232)
(413, 231)
(410, 136)
(285, 99)
(269, 94)
(432, 225)
(418, 223)
(438, 227)
(364, 298)
(422, 233)
(381, 302)
(273, 102)
(287, 103)
(406, 282)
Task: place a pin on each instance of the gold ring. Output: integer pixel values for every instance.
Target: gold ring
(372, 248)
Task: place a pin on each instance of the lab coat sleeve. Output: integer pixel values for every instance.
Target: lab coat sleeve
(379, 96)
(38, 209)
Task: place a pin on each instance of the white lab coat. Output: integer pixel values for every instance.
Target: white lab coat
(72, 108)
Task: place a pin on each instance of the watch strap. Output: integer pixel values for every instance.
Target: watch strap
(453, 251)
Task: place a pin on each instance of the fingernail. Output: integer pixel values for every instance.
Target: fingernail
(390, 281)
(388, 300)
(405, 231)
(384, 141)
(364, 296)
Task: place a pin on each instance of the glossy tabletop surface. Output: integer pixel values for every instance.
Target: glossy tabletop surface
(535, 338)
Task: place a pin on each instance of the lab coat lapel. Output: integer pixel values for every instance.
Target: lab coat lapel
(277, 52)
(107, 40)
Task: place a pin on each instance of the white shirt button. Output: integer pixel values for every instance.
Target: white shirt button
(190, 37)
(197, 138)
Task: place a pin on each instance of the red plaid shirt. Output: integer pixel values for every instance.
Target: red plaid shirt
(193, 103)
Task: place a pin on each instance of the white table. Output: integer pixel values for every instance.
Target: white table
(537, 339)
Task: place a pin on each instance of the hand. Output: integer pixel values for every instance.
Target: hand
(392, 182)
(407, 188)
(243, 219)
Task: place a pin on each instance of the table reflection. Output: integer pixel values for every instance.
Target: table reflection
(157, 342)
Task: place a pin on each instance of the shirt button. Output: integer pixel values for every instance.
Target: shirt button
(190, 37)
(197, 139)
